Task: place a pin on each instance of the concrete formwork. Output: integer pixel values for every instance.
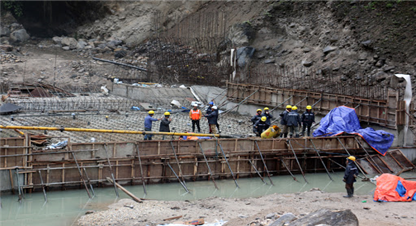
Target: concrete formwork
(281, 156)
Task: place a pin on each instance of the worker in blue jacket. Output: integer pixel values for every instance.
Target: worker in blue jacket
(293, 122)
(351, 172)
(257, 116)
(308, 118)
(212, 119)
(148, 124)
(260, 126)
(268, 116)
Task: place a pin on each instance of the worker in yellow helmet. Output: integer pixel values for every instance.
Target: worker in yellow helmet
(308, 118)
(351, 172)
(293, 122)
(268, 116)
(283, 120)
(257, 116)
(260, 126)
(164, 124)
(148, 124)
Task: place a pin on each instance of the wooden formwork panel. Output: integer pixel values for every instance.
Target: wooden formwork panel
(12, 161)
(382, 112)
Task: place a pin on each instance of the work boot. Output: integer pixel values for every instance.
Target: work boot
(349, 193)
(352, 192)
(297, 136)
(285, 135)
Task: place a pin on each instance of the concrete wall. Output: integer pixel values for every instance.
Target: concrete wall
(5, 184)
(410, 153)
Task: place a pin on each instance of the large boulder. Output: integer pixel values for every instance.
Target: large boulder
(4, 31)
(328, 217)
(241, 34)
(70, 42)
(19, 36)
(244, 54)
(285, 219)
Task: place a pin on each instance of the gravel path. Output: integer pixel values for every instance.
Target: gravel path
(247, 211)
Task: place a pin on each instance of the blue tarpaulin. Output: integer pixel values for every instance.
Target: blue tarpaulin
(344, 120)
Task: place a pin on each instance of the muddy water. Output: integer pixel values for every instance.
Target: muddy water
(64, 207)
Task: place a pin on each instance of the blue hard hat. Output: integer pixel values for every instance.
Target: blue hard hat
(211, 103)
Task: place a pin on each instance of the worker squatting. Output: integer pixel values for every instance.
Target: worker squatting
(290, 120)
(195, 115)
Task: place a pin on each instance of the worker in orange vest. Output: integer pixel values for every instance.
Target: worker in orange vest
(195, 115)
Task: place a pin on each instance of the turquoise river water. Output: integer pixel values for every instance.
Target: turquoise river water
(64, 207)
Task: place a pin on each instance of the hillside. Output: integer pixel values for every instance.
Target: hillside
(316, 45)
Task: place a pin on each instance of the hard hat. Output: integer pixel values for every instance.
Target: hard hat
(214, 107)
(151, 112)
(211, 103)
(289, 106)
(259, 110)
(194, 105)
(167, 113)
(264, 118)
(294, 108)
(352, 158)
(309, 107)
(266, 108)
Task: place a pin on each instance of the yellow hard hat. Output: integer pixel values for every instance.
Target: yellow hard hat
(288, 106)
(266, 108)
(151, 112)
(167, 113)
(352, 158)
(309, 107)
(294, 108)
(259, 110)
(264, 118)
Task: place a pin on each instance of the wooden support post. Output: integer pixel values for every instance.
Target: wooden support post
(209, 168)
(141, 168)
(11, 181)
(111, 170)
(264, 162)
(300, 167)
(43, 186)
(125, 190)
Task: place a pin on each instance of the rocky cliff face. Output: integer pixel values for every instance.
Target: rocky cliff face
(322, 46)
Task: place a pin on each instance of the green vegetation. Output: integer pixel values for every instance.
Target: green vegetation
(13, 6)
(413, 9)
(387, 3)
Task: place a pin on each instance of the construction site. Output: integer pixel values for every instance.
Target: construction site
(87, 132)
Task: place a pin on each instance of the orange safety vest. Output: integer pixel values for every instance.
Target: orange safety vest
(195, 115)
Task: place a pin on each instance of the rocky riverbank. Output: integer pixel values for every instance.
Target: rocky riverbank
(275, 209)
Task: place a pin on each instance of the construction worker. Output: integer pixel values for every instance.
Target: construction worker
(148, 124)
(212, 120)
(308, 118)
(293, 122)
(283, 120)
(164, 124)
(257, 116)
(209, 111)
(260, 126)
(268, 116)
(195, 115)
(350, 174)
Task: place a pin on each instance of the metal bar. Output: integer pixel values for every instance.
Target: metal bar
(240, 102)
(350, 154)
(297, 160)
(209, 168)
(229, 167)
(111, 170)
(106, 131)
(141, 168)
(287, 168)
(281, 104)
(359, 143)
(183, 185)
(258, 173)
(117, 63)
(43, 186)
(89, 181)
(264, 163)
(18, 186)
(322, 161)
(177, 162)
(80, 175)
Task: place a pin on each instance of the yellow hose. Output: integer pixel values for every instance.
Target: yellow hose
(106, 131)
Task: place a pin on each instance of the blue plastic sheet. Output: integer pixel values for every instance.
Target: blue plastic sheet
(344, 120)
